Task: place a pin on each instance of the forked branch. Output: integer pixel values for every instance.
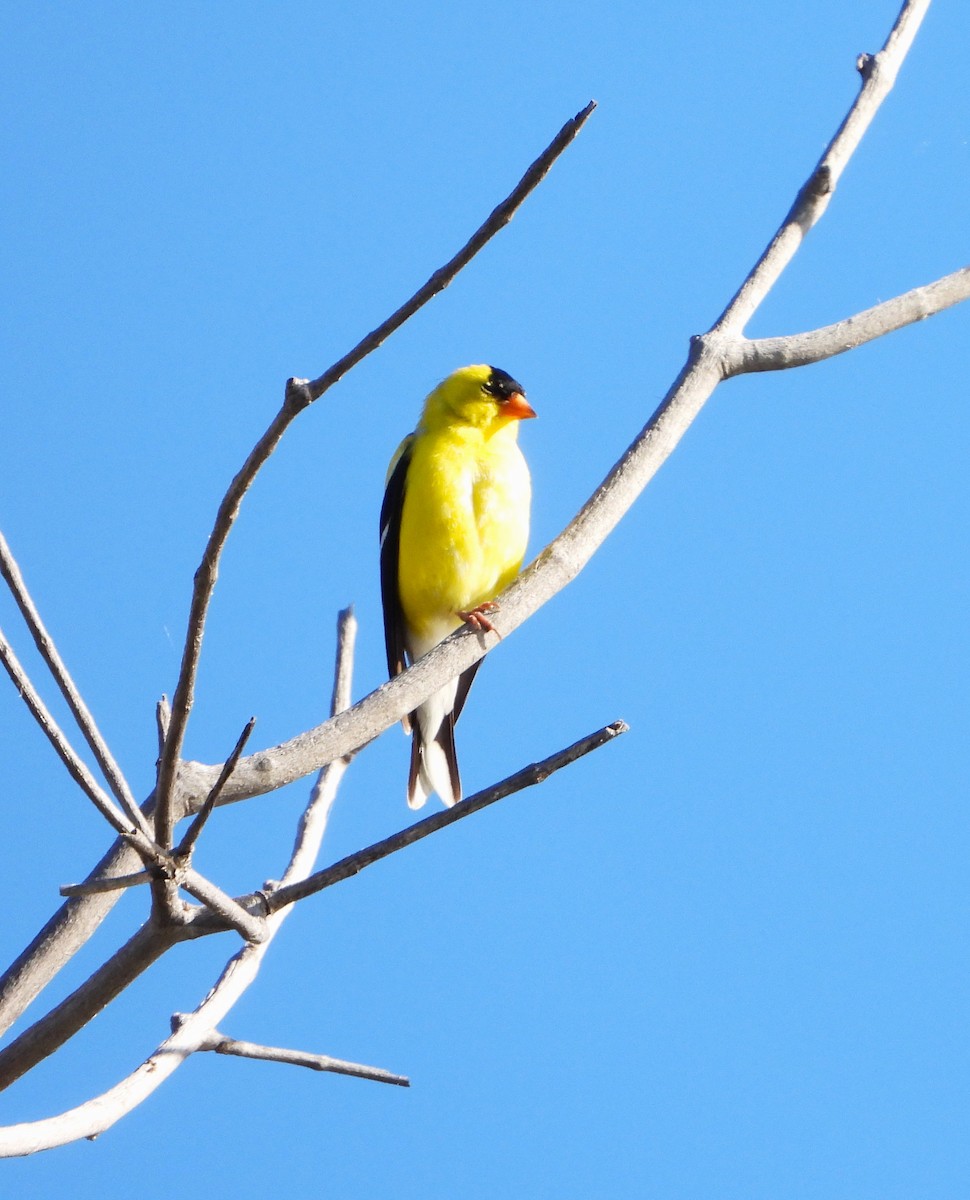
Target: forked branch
(800, 349)
(711, 359)
(191, 1032)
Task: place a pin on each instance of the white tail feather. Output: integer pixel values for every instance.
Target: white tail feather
(434, 771)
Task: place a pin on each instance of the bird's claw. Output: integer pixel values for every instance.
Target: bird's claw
(477, 618)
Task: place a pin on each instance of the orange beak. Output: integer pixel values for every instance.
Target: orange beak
(518, 407)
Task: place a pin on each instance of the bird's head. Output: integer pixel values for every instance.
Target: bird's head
(482, 396)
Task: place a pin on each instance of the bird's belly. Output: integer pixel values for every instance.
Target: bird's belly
(461, 550)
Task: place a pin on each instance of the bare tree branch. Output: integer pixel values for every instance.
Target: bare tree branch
(299, 394)
(55, 735)
(48, 1034)
(799, 349)
(48, 651)
(252, 928)
(66, 931)
(300, 1058)
(499, 217)
(96, 1115)
(878, 74)
(527, 777)
(298, 883)
(163, 717)
(112, 883)
(73, 1013)
(187, 844)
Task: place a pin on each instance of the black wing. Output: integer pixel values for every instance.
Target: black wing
(391, 511)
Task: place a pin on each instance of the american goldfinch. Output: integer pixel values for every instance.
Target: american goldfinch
(454, 527)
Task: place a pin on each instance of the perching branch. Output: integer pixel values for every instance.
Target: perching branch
(299, 394)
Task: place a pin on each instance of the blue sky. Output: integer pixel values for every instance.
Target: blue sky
(725, 956)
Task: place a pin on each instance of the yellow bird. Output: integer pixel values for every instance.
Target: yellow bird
(454, 527)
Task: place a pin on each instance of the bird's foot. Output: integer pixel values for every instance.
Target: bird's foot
(477, 618)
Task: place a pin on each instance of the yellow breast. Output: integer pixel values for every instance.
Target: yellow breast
(464, 526)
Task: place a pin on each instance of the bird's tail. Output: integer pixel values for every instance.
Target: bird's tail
(434, 763)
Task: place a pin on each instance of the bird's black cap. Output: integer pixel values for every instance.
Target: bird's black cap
(502, 386)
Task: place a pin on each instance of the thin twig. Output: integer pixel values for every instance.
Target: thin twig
(62, 677)
(55, 735)
(313, 821)
(250, 927)
(527, 777)
(298, 395)
(499, 217)
(113, 883)
(187, 844)
(220, 1044)
(163, 716)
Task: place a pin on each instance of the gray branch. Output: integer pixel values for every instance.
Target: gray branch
(63, 935)
(878, 73)
(528, 777)
(47, 1036)
(187, 844)
(111, 883)
(221, 1044)
(62, 677)
(193, 1031)
(800, 349)
(55, 735)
